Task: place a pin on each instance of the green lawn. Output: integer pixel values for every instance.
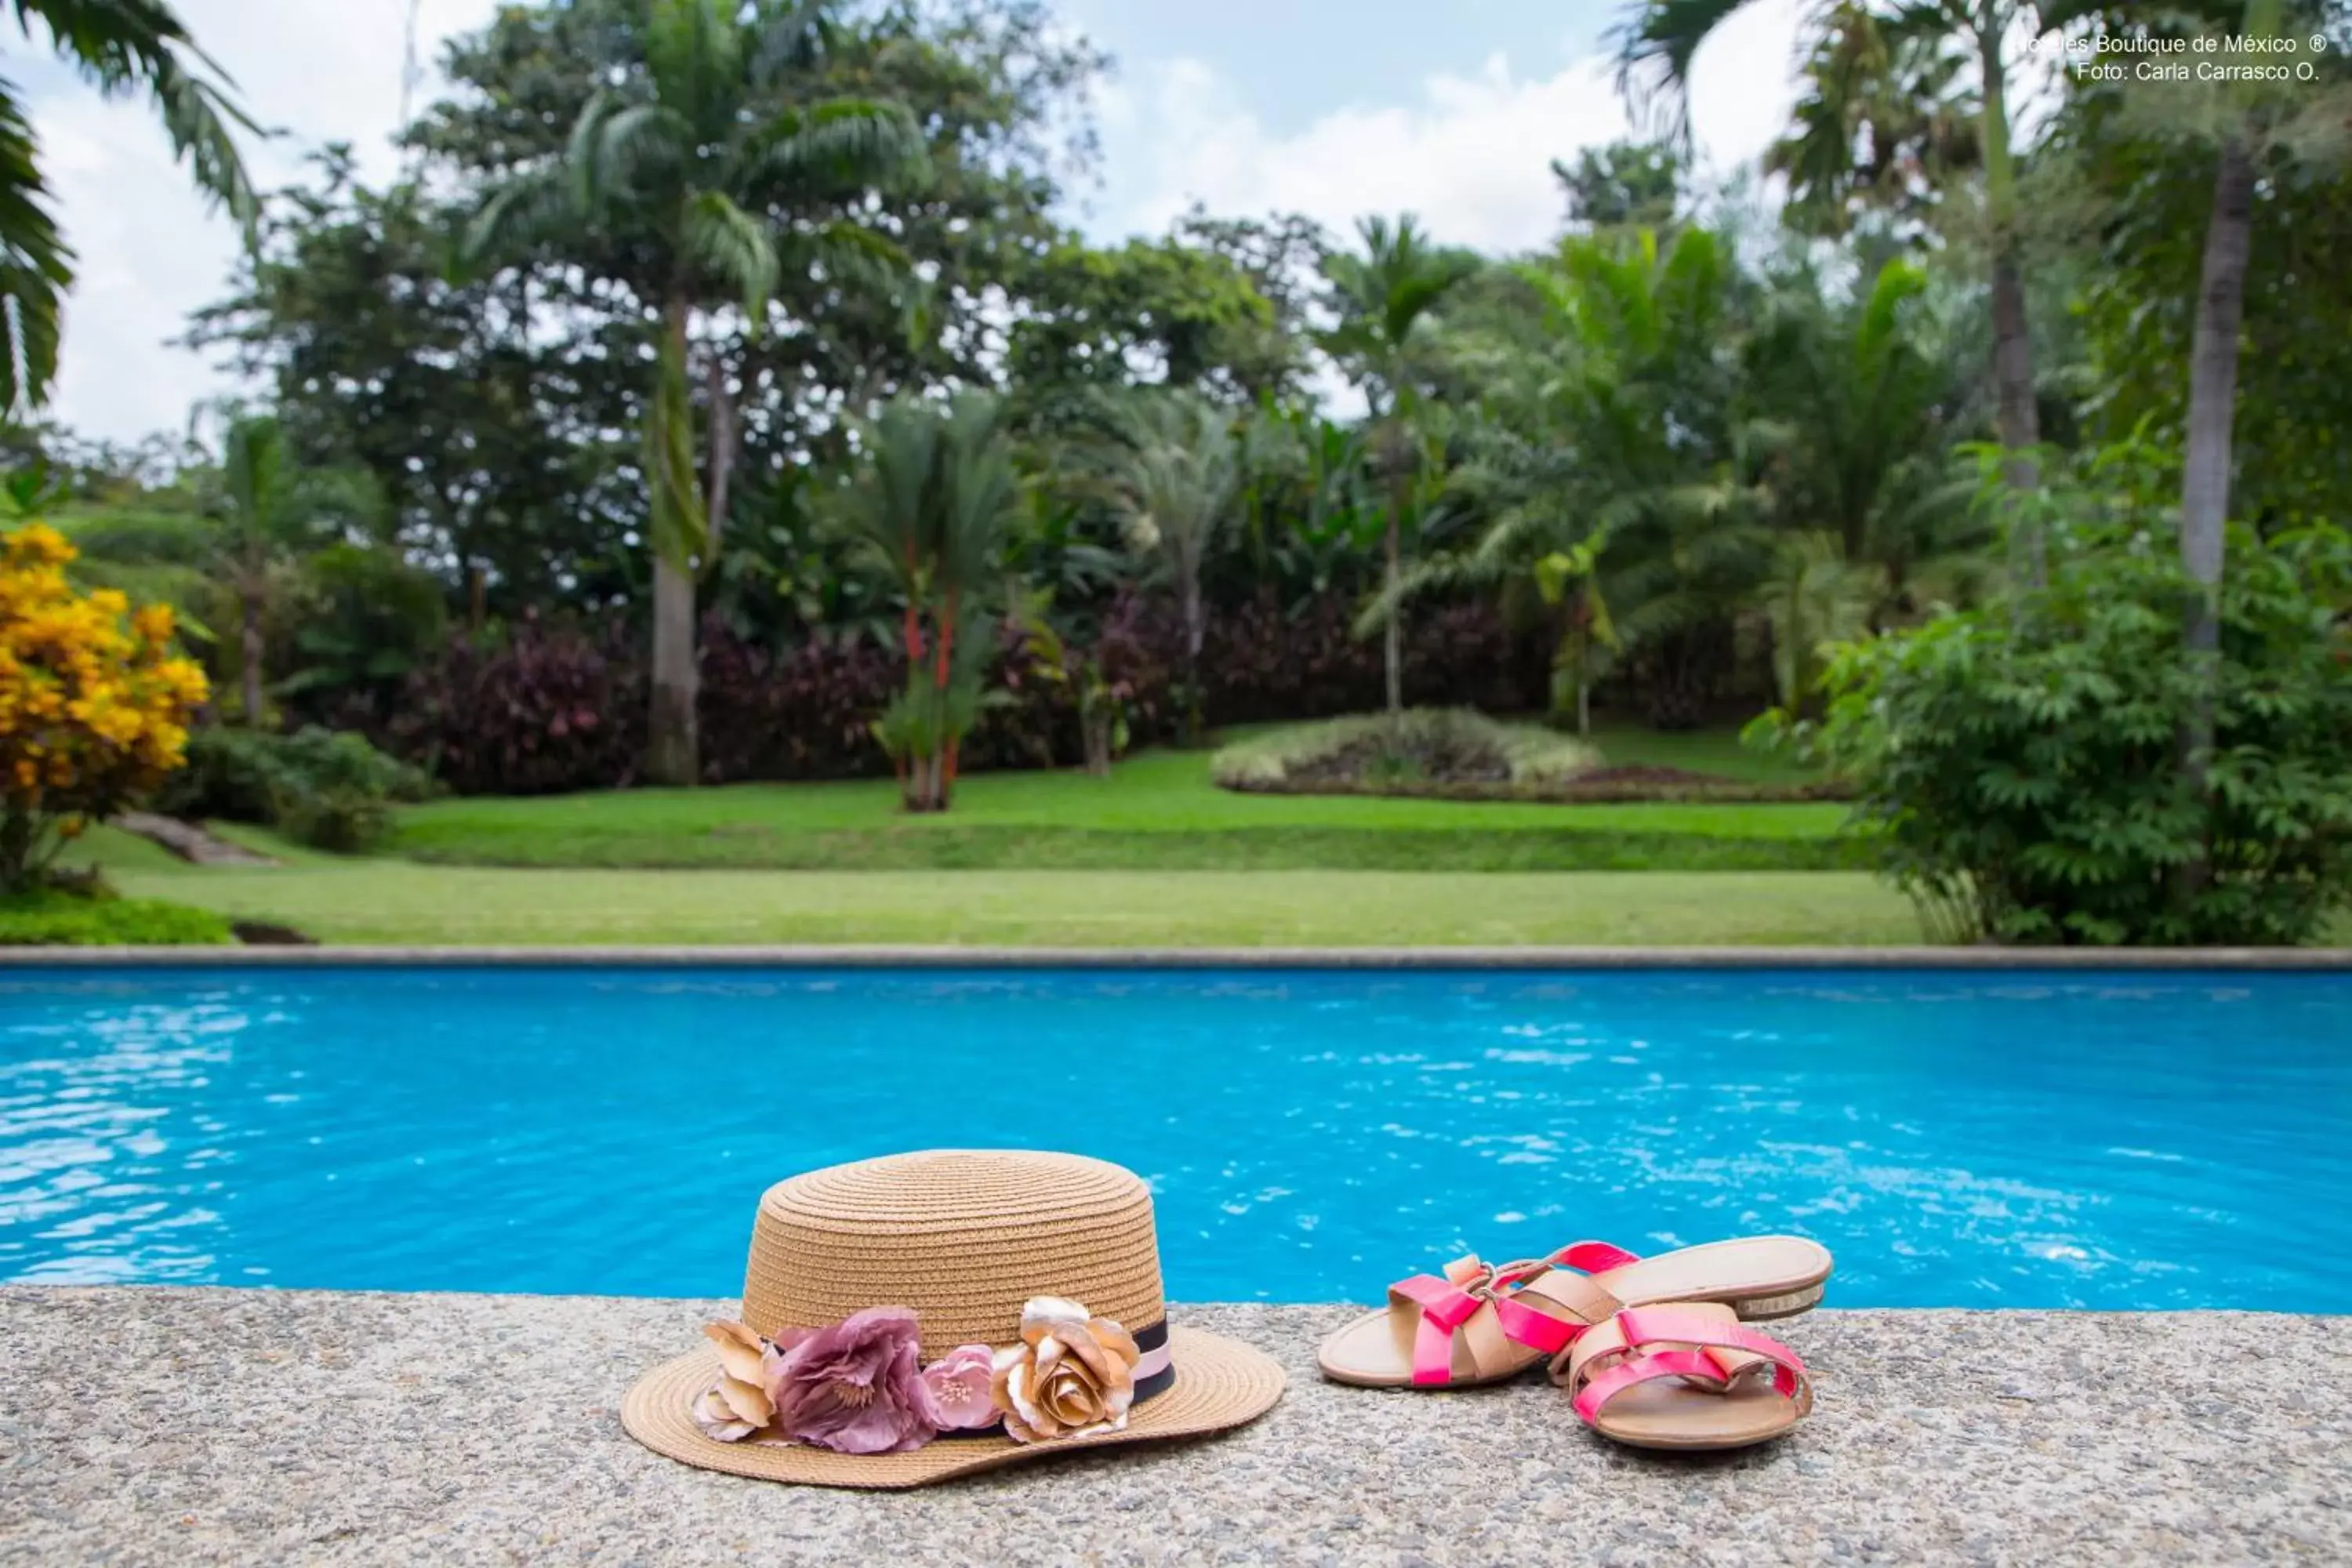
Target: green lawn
(1159, 812)
(389, 901)
(1717, 752)
(398, 902)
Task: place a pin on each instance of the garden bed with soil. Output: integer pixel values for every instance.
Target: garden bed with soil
(1466, 756)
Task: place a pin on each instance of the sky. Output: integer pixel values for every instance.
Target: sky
(1332, 108)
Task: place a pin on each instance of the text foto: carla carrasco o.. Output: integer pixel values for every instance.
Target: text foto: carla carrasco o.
(2202, 71)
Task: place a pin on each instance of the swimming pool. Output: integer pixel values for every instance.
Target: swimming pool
(1979, 1139)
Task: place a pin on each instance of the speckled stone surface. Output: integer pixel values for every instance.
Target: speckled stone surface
(183, 1426)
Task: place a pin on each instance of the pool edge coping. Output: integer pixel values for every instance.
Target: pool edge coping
(878, 956)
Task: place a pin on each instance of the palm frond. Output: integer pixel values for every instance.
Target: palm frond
(124, 45)
(790, 36)
(1170, 466)
(619, 149)
(121, 47)
(253, 479)
(733, 245)
(198, 116)
(1656, 42)
(695, 55)
(862, 139)
(36, 267)
(529, 210)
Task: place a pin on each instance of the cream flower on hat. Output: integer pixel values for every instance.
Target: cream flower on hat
(1072, 1375)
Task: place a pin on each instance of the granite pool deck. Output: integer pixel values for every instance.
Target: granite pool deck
(173, 1426)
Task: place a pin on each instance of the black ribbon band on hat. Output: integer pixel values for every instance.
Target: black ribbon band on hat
(1151, 1385)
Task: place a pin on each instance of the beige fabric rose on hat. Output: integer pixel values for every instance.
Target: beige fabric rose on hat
(1073, 1373)
(736, 1405)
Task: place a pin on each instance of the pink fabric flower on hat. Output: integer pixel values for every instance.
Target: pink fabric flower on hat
(855, 1388)
(958, 1384)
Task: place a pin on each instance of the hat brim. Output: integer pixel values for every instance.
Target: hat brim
(1220, 1384)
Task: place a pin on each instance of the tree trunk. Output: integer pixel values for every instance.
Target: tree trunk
(478, 597)
(1196, 628)
(942, 679)
(249, 651)
(2213, 379)
(1093, 732)
(1391, 635)
(722, 451)
(673, 749)
(2017, 416)
(2205, 475)
(2020, 415)
(672, 754)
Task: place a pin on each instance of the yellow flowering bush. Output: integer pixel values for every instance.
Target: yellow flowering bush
(94, 703)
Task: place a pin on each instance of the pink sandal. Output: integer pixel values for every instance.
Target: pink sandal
(1684, 1374)
(1479, 1324)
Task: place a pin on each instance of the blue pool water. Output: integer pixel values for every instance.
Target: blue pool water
(1958, 1140)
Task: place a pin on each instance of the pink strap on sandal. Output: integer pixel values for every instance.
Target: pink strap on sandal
(1443, 1308)
(1681, 1376)
(1475, 1325)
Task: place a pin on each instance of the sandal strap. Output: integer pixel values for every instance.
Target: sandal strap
(1593, 1257)
(1543, 1304)
(1443, 1306)
(1734, 1347)
(1691, 1365)
(1549, 1310)
(1695, 1346)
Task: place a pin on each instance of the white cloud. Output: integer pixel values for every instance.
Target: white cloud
(1471, 157)
(150, 252)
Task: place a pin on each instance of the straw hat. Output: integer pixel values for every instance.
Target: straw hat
(965, 1239)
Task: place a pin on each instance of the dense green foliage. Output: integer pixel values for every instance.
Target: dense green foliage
(2021, 770)
(329, 790)
(59, 917)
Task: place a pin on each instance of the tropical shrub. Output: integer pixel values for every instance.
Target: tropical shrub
(94, 703)
(1421, 746)
(546, 710)
(364, 621)
(2021, 770)
(52, 917)
(329, 790)
(800, 712)
(1103, 729)
(1263, 663)
(931, 514)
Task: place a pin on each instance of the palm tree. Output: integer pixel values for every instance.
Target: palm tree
(268, 511)
(931, 510)
(1381, 295)
(1172, 469)
(119, 47)
(697, 159)
(1885, 116)
(1872, 390)
(1659, 39)
(1631, 458)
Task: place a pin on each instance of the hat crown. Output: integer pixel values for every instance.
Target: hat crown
(963, 1236)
